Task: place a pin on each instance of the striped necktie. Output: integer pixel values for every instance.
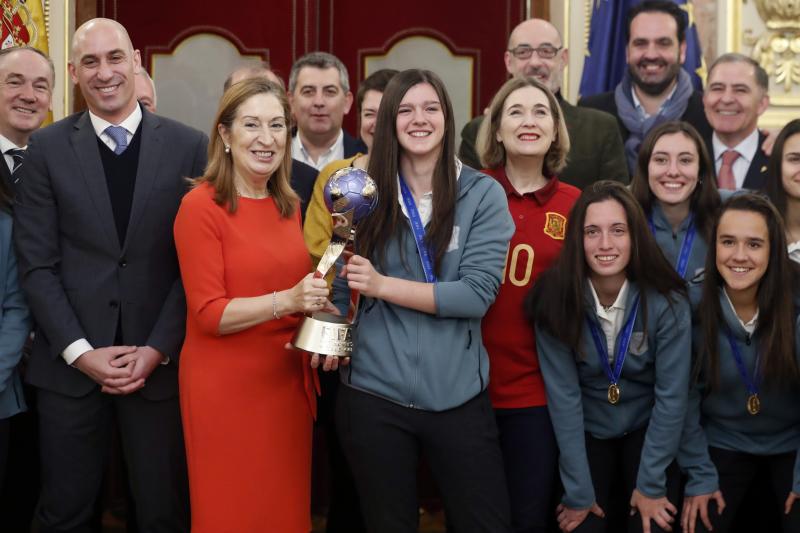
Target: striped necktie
(18, 155)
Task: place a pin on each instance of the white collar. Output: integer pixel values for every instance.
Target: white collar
(298, 143)
(794, 251)
(429, 194)
(747, 148)
(618, 305)
(6, 145)
(749, 326)
(131, 122)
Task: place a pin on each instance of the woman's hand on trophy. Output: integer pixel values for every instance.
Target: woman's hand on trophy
(363, 277)
(310, 295)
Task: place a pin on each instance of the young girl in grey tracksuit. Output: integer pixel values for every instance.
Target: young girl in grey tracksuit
(743, 416)
(428, 265)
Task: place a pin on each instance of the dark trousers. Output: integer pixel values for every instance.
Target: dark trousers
(614, 465)
(383, 442)
(530, 456)
(344, 509)
(737, 472)
(5, 433)
(20, 492)
(76, 435)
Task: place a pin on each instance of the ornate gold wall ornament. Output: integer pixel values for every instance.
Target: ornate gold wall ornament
(778, 48)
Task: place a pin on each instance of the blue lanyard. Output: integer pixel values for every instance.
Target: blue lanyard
(419, 231)
(751, 384)
(686, 246)
(623, 341)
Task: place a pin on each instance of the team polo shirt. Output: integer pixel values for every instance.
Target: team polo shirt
(540, 218)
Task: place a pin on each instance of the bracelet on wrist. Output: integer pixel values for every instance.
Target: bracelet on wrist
(275, 314)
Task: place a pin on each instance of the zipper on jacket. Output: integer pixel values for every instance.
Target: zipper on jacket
(469, 344)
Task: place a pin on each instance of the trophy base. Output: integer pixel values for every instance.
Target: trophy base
(325, 334)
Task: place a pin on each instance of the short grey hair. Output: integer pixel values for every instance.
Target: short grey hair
(14, 49)
(320, 60)
(761, 76)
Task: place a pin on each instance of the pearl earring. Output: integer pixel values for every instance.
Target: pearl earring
(227, 149)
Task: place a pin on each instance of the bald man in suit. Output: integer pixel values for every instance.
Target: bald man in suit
(94, 214)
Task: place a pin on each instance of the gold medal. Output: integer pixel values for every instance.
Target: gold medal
(613, 394)
(753, 404)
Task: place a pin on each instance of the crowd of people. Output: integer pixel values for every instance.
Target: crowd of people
(579, 317)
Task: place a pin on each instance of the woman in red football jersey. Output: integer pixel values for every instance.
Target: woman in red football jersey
(524, 144)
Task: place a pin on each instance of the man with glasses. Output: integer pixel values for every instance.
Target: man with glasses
(535, 49)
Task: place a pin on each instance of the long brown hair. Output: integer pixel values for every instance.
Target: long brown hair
(384, 222)
(776, 293)
(704, 201)
(556, 302)
(219, 172)
(774, 187)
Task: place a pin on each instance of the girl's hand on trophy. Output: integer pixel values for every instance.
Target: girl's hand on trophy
(363, 277)
(328, 363)
(310, 295)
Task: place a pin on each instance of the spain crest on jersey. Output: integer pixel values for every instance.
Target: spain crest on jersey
(555, 225)
(23, 24)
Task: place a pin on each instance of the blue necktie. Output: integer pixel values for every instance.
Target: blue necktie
(120, 136)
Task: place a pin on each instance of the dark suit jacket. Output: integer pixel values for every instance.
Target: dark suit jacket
(596, 151)
(5, 175)
(79, 279)
(353, 146)
(303, 178)
(756, 177)
(694, 114)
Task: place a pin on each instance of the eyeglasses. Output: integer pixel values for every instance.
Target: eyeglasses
(545, 51)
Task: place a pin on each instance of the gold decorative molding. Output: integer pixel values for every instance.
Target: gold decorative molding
(776, 47)
(774, 42)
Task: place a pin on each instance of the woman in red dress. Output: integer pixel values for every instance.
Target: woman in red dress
(247, 403)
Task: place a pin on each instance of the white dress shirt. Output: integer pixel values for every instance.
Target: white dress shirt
(131, 124)
(334, 153)
(611, 319)
(5, 146)
(747, 151)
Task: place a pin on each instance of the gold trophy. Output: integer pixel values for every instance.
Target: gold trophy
(350, 195)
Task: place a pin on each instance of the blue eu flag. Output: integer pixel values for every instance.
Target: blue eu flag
(605, 60)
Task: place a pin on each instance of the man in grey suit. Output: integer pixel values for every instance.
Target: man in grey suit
(94, 217)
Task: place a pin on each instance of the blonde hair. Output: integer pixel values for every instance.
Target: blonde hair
(493, 153)
(219, 172)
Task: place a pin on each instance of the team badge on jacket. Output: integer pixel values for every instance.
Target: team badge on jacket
(555, 225)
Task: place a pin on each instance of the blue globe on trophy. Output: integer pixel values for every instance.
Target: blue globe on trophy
(350, 195)
(351, 189)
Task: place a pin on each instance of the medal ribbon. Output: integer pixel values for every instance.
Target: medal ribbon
(752, 386)
(419, 231)
(623, 341)
(686, 245)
